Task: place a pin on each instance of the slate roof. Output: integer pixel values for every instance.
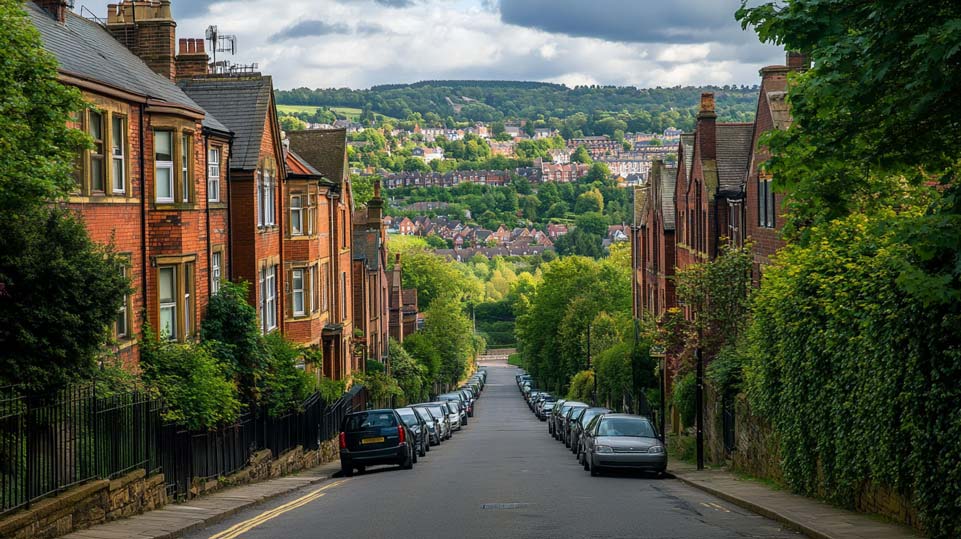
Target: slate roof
(687, 142)
(325, 149)
(733, 155)
(86, 50)
(640, 206)
(241, 103)
(668, 182)
(780, 112)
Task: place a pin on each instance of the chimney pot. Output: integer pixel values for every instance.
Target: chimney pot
(56, 8)
(182, 46)
(376, 188)
(707, 102)
(200, 46)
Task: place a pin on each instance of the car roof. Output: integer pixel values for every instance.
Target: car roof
(575, 403)
(629, 416)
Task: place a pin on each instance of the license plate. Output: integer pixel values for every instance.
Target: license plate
(376, 440)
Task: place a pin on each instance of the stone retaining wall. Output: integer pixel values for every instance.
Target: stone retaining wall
(87, 505)
(101, 501)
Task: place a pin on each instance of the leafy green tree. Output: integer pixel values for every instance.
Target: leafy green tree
(449, 331)
(597, 173)
(53, 333)
(420, 347)
(590, 201)
(292, 123)
(581, 155)
(286, 387)
(410, 374)
(230, 326)
(362, 188)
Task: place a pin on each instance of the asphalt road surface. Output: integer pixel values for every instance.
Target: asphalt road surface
(501, 476)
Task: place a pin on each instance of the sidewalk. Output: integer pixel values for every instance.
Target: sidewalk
(175, 520)
(811, 517)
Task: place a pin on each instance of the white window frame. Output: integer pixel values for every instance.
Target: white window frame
(187, 305)
(268, 290)
(270, 209)
(213, 175)
(164, 165)
(118, 154)
(168, 304)
(297, 215)
(123, 312)
(298, 292)
(260, 198)
(216, 270)
(185, 146)
(98, 119)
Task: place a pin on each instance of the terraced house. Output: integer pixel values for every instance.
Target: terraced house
(145, 185)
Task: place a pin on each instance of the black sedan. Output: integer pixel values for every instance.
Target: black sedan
(375, 437)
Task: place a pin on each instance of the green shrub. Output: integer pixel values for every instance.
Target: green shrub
(230, 326)
(330, 390)
(285, 386)
(192, 382)
(581, 387)
(684, 398)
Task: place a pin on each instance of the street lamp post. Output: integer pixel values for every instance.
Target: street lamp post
(590, 364)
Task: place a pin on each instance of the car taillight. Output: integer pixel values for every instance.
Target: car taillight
(343, 440)
(401, 435)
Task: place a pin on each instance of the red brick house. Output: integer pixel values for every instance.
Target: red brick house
(326, 151)
(713, 164)
(257, 174)
(654, 281)
(147, 185)
(371, 278)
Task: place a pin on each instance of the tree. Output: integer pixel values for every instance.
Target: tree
(292, 123)
(581, 155)
(230, 326)
(592, 223)
(448, 329)
(362, 188)
(590, 201)
(411, 376)
(37, 161)
(59, 298)
(597, 173)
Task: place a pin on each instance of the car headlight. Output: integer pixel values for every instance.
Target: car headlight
(602, 449)
(657, 449)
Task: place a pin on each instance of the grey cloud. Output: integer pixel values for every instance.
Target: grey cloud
(309, 28)
(678, 21)
(385, 3)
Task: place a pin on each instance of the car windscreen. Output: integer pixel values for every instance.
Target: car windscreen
(625, 426)
(588, 416)
(370, 420)
(408, 417)
(438, 411)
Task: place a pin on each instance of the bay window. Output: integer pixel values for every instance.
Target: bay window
(298, 292)
(168, 302)
(164, 165)
(175, 291)
(268, 298)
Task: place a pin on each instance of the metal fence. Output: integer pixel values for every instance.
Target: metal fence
(48, 445)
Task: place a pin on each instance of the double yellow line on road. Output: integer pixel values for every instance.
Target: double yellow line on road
(247, 525)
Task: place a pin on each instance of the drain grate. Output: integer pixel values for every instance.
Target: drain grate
(504, 505)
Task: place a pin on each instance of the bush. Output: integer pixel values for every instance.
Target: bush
(581, 387)
(285, 386)
(411, 376)
(684, 398)
(192, 382)
(330, 390)
(232, 323)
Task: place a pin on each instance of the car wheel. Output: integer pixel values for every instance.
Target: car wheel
(413, 458)
(346, 470)
(423, 449)
(409, 462)
(595, 471)
(361, 469)
(583, 462)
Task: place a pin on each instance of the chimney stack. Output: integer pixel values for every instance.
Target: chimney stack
(192, 59)
(375, 207)
(706, 127)
(56, 8)
(148, 29)
(798, 61)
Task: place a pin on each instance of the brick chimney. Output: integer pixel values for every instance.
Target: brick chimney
(798, 61)
(56, 8)
(148, 29)
(706, 127)
(192, 59)
(375, 208)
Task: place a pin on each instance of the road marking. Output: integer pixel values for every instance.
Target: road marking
(247, 525)
(504, 505)
(715, 506)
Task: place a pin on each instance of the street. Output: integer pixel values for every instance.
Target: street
(501, 476)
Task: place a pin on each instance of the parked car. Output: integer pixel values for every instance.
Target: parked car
(457, 401)
(560, 414)
(433, 426)
(544, 408)
(469, 394)
(584, 415)
(375, 437)
(440, 414)
(623, 441)
(566, 423)
(418, 426)
(550, 416)
(452, 414)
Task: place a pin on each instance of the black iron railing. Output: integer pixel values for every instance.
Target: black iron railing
(49, 444)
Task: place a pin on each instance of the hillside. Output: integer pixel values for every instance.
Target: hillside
(580, 109)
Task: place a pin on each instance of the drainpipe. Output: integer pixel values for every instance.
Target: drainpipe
(207, 209)
(143, 219)
(230, 231)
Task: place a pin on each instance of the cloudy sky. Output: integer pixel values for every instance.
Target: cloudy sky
(359, 43)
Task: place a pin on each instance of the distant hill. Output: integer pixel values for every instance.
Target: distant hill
(585, 109)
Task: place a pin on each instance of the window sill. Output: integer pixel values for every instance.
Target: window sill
(216, 205)
(267, 229)
(101, 199)
(173, 206)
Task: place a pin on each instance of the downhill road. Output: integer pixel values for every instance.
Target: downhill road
(501, 476)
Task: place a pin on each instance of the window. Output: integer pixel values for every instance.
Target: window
(266, 201)
(268, 294)
(296, 215)
(216, 271)
(765, 202)
(213, 175)
(314, 303)
(186, 151)
(345, 225)
(168, 302)
(164, 165)
(121, 328)
(325, 288)
(311, 213)
(260, 198)
(188, 281)
(97, 172)
(297, 289)
(343, 296)
(118, 142)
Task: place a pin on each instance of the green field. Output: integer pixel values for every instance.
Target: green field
(290, 109)
(351, 114)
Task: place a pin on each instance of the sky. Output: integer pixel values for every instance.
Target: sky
(360, 43)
